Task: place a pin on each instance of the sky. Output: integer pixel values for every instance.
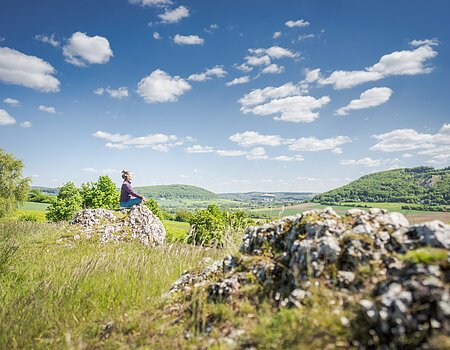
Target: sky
(232, 96)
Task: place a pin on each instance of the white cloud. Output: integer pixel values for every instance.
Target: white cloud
(199, 149)
(161, 87)
(293, 108)
(407, 155)
(119, 93)
(437, 146)
(157, 36)
(432, 42)
(406, 62)
(297, 158)
(12, 102)
(110, 171)
(47, 39)
(368, 161)
(47, 109)
(174, 16)
(312, 75)
(258, 60)
(6, 118)
(89, 170)
(188, 40)
(216, 71)
(259, 96)
(111, 137)
(313, 144)
(273, 69)
(280, 52)
(305, 36)
(253, 138)
(369, 98)
(119, 146)
(230, 153)
(29, 71)
(337, 150)
(276, 35)
(151, 2)
(82, 50)
(26, 124)
(240, 80)
(298, 23)
(211, 28)
(257, 153)
(244, 68)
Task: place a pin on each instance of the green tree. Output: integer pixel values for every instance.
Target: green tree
(67, 204)
(13, 187)
(100, 194)
(152, 204)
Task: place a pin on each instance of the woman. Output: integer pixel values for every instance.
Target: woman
(128, 197)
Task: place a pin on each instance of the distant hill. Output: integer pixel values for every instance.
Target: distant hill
(176, 192)
(47, 190)
(421, 185)
(268, 197)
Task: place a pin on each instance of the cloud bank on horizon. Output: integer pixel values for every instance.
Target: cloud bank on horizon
(268, 96)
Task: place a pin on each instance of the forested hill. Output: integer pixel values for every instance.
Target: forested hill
(424, 185)
(176, 192)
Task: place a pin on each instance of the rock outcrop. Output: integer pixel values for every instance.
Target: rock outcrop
(395, 276)
(136, 223)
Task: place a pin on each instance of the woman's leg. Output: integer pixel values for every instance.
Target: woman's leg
(129, 203)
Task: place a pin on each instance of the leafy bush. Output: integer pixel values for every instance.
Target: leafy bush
(183, 215)
(40, 197)
(67, 204)
(215, 227)
(13, 187)
(152, 204)
(100, 194)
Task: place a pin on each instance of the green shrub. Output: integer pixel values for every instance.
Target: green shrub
(67, 204)
(152, 204)
(100, 194)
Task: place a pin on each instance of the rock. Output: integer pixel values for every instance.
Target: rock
(434, 233)
(136, 223)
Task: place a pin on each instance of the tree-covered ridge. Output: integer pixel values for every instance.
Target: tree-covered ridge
(176, 192)
(424, 185)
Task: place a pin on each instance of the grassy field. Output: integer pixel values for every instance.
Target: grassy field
(414, 216)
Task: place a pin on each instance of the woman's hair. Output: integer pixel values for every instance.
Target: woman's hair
(125, 174)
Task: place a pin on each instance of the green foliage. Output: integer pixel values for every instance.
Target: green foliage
(213, 226)
(183, 215)
(38, 196)
(153, 206)
(13, 187)
(100, 194)
(426, 255)
(176, 192)
(67, 204)
(421, 185)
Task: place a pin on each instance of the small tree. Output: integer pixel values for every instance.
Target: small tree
(100, 194)
(67, 204)
(152, 204)
(13, 187)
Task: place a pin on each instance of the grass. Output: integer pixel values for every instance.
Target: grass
(176, 231)
(72, 294)
(426, 255)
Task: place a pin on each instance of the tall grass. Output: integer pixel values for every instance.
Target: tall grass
(66, 294)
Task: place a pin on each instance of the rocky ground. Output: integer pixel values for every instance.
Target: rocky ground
(136, 223)
(391, 277)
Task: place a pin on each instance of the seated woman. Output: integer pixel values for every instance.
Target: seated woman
(128, 197)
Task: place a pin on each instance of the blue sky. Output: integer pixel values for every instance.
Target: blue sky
(227, 95)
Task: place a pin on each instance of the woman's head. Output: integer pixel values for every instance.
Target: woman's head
(126, 175)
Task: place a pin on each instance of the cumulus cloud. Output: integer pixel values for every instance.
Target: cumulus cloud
(12, 102)
(298, 23)
(243, 67)
(151, 2)
(158, 142)
(259, 96)
(258, 60)
(47, 109)
(296, 158)
(273, 69)
(29, 71)
(161, 87)
(369, 98)
(293, 108)
(216, 71)
(47, 39)
(253, 138)
(437, 146)
(276, 35)
(305, 36)
(313, 144)
(174, 16)
(230, 153)
(406, 62)
(188, 40)
(82, 50)
(199, 149)
(432, 42)
(237, 81)
(6, 118)
(368, 161)
(119, 93)
(26, 124)
(157, 36)
(257, 153)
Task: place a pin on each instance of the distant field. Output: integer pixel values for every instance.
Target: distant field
(414, 216)
(33, 206)
(175, 230)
